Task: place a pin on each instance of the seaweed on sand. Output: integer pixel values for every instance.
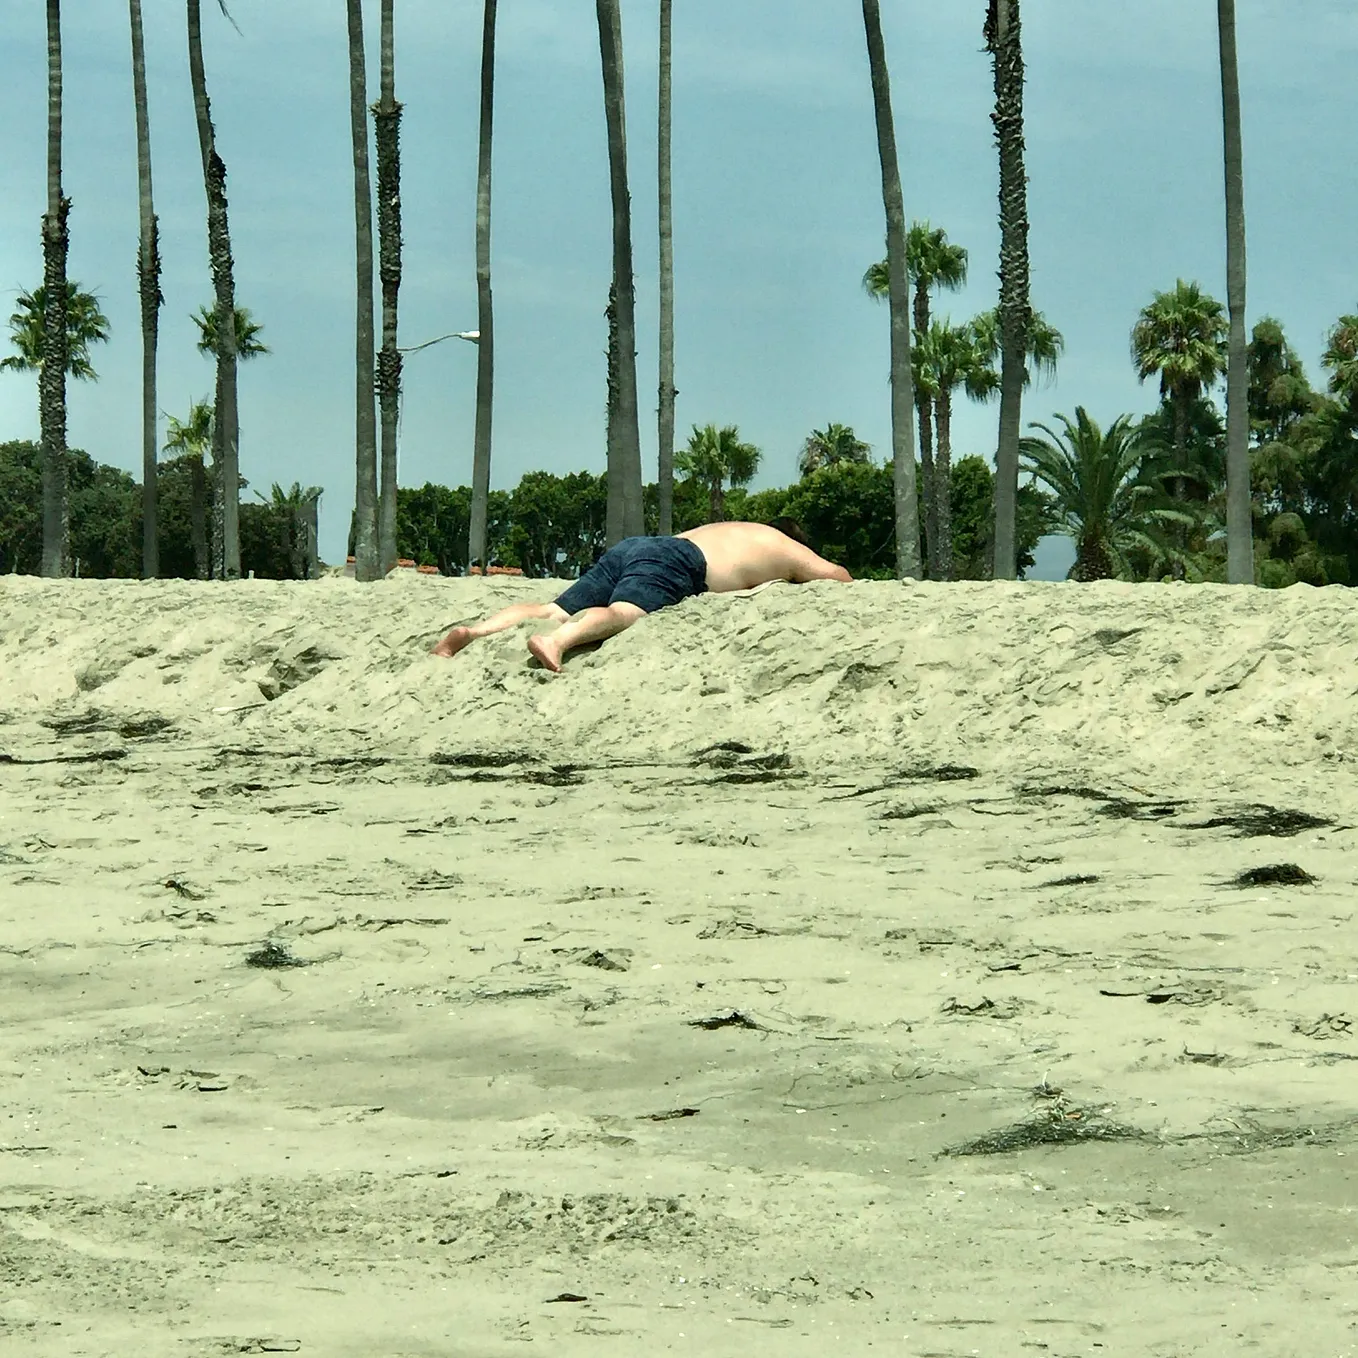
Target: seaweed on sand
(1259, 821)
(1274, 874)
(1054, 1126)
(273, 955)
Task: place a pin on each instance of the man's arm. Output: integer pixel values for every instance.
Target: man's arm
(806, 566)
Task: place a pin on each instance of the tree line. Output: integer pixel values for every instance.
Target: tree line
(928, 363)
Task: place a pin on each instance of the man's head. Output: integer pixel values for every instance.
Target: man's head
(790, 528)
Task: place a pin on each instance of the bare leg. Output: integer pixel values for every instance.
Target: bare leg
(498, 622)
(594, 624)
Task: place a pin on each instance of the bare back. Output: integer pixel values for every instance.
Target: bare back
(743, 555)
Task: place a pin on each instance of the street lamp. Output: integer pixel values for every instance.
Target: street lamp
(471, 336)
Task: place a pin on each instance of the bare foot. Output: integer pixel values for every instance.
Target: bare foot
(453, 642)
(546, 652)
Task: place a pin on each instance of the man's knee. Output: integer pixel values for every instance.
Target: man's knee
(626, 613)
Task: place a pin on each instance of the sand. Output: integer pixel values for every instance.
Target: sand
(834, 968)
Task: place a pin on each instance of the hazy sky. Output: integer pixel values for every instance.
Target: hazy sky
(777, 209)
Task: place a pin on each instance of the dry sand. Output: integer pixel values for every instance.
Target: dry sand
(829, 969)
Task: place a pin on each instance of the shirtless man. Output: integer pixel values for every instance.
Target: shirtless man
(640, 575)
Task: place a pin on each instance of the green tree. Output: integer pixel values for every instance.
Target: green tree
(248, 331)
(1279, 393)
(1341, 359)
(1180, 338)
(1099, 499)
(905, 487)
(367, 554)
(625, 514)
(717, 458)
(148, 291)
(190, 439)
(86, 324)
(1004, 41)
(829, 447)
(948, 357)
(226, 424)
(931, 261)
(387, 135)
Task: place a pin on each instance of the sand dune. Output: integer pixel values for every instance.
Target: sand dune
(956, 970)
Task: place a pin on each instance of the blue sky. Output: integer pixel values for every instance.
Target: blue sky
(777, 209)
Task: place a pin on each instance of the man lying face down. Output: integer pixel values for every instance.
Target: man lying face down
(640, 575)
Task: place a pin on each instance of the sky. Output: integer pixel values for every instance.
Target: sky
(777, 206)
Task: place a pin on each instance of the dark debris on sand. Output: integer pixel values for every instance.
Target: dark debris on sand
(273, 955)
(1260, 821)
(1274, 874)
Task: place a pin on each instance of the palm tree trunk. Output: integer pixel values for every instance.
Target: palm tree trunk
(1004, 40)
(198, 516)
(1239, 544)
(485, 350)
(924, 416)
(625, 515)
(1092, 560)
(148, 287)
(902, 384)
(387, 124)
(367, 557)
(943, 482)
(667, 387)
(56, 517)
(225, 426)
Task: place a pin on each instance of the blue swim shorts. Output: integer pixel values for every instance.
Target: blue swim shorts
(651, 573)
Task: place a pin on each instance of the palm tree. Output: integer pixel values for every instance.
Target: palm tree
(1043, 344)
(828, 447)
(931, 261)
(1239, 547)
(148, 289)
(191, 439)
(387, 129)
(947, 357)
(485, 348)
(717, 457)
(625, 517)
(1180, 336)
(668, 392)
(1004, 41)
(226, 424)
(56, 515)
(1341, 358)
(367, 558)
(86, 324)
(248, 331)
(902, 395)
(1099, 499)
(295, 511)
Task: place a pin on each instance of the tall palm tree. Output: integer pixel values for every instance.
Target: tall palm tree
(947, 357)
(829, 447)
(668, 392)
(485, 348)
(715, 458)
(367, 558)
(902, 394)
(56, 514)
(1043, 344)
(931, 261)
(86, 324)
(1004, 41)
(387, 130)
(1239, 544)
(1099, 499)
(191, 438)
(148, 289)
(226, 425)
(1180, 337)
(625, 518)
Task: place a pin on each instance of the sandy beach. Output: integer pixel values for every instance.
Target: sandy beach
(936, 970)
